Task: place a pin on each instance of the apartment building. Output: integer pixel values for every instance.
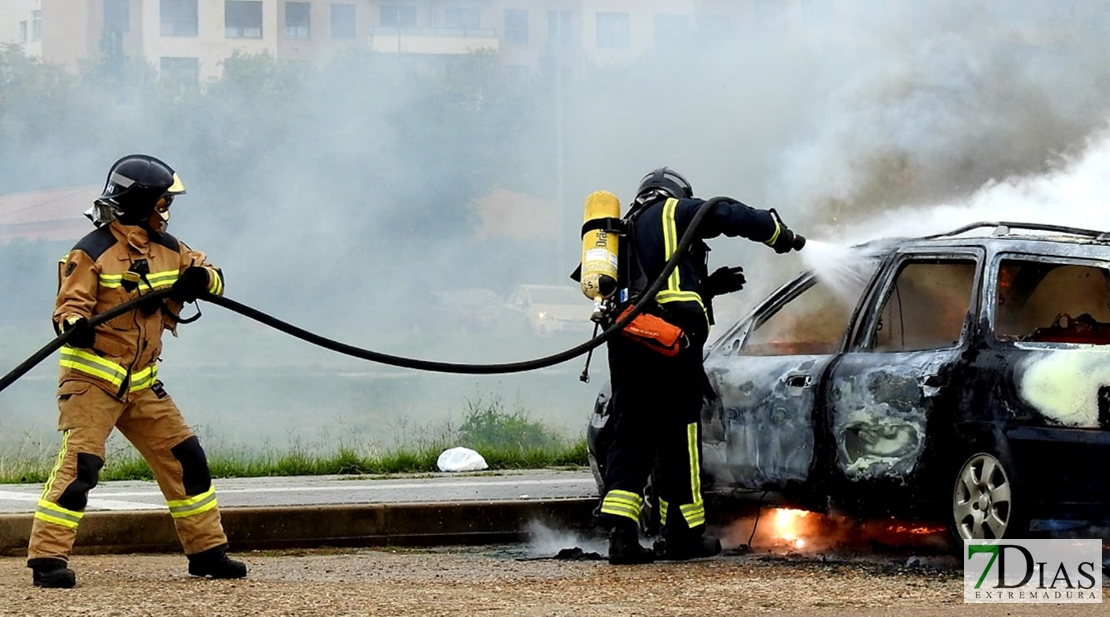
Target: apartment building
(187, 39)
(21, 22)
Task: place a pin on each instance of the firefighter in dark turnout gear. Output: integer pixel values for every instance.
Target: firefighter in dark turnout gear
(109, 374)
(657, 399)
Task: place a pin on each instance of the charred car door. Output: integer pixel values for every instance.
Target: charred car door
(759, 432)
(1051, 326)
(882, 394)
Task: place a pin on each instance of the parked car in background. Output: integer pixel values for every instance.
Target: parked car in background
(544, 310)
(966, 380)
(468, 310)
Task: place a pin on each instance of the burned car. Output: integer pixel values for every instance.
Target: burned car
(966, 379)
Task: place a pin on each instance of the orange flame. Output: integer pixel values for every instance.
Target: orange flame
(801, 529)
(790, 526)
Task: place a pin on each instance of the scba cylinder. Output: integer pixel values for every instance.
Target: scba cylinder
(600, 245)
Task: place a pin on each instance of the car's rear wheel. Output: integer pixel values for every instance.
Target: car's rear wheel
(983, 501)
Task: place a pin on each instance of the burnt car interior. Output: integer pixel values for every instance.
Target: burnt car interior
(811, 322)
(926, 307)
(1052, 302)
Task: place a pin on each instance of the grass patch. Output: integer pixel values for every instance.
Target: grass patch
(507, 440)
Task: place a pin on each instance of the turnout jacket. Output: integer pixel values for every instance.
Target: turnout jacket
(109, 266)
(656, 231)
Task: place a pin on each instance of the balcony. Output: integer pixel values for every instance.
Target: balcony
(450, 41)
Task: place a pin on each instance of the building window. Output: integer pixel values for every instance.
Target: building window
(516, 26)
(559, 31)
(36, 25)
(178, 17)
(117, 15)
(297, 20)
(614, 31)
(342, 21)
(23, 32)
(398, 16)
(242, 20)
(463, 18)
(180, 72)
(671, 28)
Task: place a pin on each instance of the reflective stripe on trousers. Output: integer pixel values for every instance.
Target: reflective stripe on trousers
(622, 503)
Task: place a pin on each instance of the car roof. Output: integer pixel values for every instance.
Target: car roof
(995, 236)
(999, 236)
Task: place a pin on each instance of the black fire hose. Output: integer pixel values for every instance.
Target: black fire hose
(57, 343)
(383, 358)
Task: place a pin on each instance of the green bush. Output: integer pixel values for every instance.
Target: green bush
(487, 426)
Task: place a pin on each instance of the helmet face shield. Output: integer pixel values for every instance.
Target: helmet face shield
(159, 218)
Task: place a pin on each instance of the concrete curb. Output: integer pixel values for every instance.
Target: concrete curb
(354, 525)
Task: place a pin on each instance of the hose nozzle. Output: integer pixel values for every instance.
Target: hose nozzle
(799, 242)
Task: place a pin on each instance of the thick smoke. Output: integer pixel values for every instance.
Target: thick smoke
(346, 198)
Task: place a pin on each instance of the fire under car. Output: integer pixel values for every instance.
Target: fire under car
(964, 380)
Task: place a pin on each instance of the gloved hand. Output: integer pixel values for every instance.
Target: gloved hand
(191, 284)
(787, 240)
(82, 335)
(725, 280)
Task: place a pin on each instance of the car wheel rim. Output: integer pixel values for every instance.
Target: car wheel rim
(981, 499)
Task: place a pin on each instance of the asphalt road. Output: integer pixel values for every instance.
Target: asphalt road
(332, 490)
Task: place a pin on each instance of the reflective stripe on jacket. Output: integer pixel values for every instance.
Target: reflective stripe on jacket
(659, 227)
(109, 266)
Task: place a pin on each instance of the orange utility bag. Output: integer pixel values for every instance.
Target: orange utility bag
(655, 332)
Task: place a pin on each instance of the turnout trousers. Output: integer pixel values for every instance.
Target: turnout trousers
(150, 420)
(656, 410)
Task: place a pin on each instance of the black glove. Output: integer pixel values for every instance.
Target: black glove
(81, 334)
(191, 284)
(786, 240)
(725, 280)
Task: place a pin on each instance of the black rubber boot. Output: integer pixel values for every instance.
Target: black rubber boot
(685, 547)
(625, 548)
(214, 562)
(51, 573)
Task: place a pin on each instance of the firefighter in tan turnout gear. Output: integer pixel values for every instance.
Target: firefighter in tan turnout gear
(109, 374)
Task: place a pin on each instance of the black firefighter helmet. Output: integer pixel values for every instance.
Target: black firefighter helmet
(663, 182)
(135, 184)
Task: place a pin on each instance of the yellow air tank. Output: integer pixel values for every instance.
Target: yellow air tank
(599, 246)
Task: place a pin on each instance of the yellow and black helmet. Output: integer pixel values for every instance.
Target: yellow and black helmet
(136, 183)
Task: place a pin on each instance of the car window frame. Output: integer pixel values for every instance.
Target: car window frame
(990, 293)
(736, 338)
(732, 341)
(863, 333)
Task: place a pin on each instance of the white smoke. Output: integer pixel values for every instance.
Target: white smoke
(545, 541)
(1071, 194)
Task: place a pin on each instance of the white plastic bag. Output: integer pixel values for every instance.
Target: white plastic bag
(461, 459)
